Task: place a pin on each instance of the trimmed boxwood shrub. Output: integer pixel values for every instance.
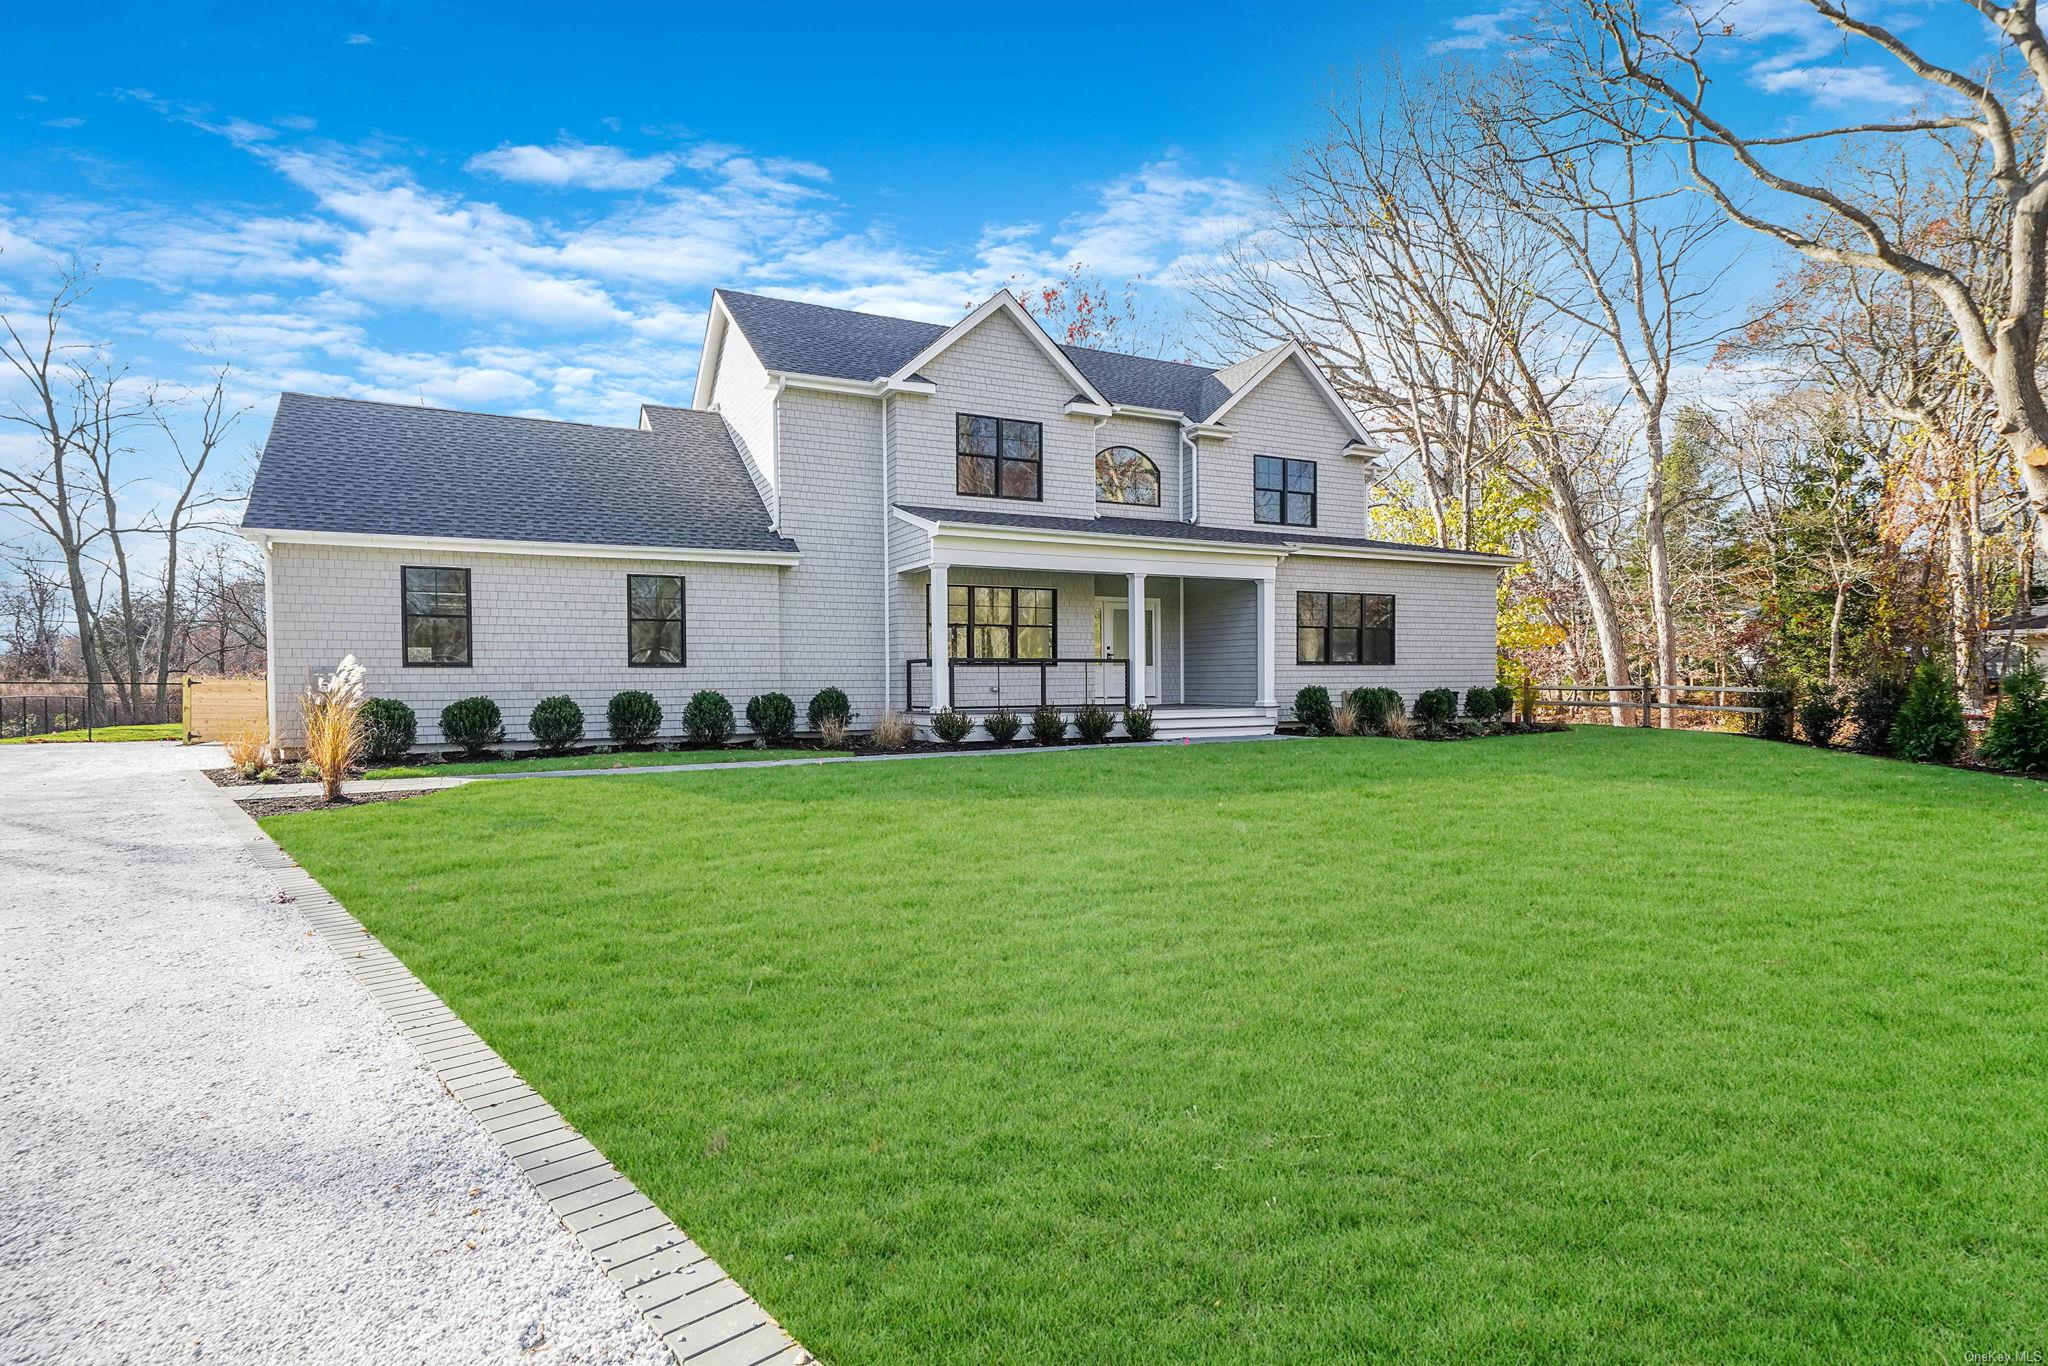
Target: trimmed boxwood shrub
(1094, 721)
(1312, 709)
(1930, 728)
(1503, 701)
(1372, 707)
(1048, 725)
(472, 724)
(2018, 738)
(389, 728)
(556, 723)
(707, 718)
(1820, 716)
(830, 702)
(1481, 705)
(772, 717)
(1002, 725)
(1138, 723)
(1875, 710)
(633, 717)
(951, 725)
(1435, 709)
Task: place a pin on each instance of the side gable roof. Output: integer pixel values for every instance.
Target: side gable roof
(351, 467)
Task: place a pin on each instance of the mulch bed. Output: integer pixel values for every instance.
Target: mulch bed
(232, 777)
(281, 806)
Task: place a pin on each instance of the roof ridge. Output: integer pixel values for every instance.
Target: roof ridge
(943, 327)
(475, 412)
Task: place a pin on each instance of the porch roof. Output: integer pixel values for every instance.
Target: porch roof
(1283, 542)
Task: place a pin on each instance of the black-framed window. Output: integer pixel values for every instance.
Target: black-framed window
(654, 621)
(990, 622)
(1283, 491)
(998, 457)
(1124, 474)
(1343, 628)
(434, 605)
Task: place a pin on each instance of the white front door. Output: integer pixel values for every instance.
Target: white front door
(1112, 630)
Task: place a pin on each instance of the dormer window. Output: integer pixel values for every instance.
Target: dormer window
(997, 457)
(1128, 476)
(1283, 491)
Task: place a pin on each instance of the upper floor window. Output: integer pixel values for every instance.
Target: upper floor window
(1124, 475)
(434, 608)
(998, 457)
(1343, 628)
(654, 621)
(1283, 491)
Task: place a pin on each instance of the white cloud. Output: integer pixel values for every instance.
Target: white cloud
(363, 278)
(1483, 31)
(569, 163)
(358, 39)
(70, 121)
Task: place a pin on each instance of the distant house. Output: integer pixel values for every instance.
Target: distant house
(2026, 629)
(970, 516)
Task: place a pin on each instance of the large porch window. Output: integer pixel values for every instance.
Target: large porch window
(986, 622)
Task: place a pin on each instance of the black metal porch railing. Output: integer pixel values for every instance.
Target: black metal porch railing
(984, 685)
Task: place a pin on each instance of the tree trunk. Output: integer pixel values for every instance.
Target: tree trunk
(1661, 616)
(1835, 631)
(1962, 600)
(1563, 507)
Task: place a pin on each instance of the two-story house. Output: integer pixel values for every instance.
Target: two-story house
(923, 516)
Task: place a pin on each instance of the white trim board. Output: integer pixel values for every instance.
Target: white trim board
(464, 545)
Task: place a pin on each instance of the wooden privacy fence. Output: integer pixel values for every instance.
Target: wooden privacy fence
(1642, 699)
(218, 707)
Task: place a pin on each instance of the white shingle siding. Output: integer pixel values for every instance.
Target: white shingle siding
(831, 473)
(1284, 416)
(995, 371)
(539, 625)
(742, 395)
(1444, 618)
(1222, 634)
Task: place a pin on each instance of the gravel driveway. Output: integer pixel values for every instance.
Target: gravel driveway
(213, 1147)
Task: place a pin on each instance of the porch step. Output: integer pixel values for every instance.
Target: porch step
(1210, 723)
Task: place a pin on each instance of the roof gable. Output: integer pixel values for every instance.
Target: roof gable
(1004, 303)
(1269, 364)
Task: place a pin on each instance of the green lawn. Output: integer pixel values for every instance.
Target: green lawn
(102, 734)
(629, 759)
(1610, 1045)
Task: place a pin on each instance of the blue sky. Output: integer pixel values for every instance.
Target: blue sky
(525, 208)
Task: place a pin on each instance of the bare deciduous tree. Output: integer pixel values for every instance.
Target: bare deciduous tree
(1998, 316)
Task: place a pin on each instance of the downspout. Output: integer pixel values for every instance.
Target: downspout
(1194, 494)
(888, 585)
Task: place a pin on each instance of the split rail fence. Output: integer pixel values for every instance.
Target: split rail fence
(1642, 701)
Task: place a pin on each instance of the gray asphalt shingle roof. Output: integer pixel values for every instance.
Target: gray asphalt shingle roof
(1179, 531)
(2023, 621)
(813, 339)
(353, 466)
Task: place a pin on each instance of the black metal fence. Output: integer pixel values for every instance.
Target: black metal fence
(30, 714)
(984, 685)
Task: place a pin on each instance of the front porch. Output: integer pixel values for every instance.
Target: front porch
(1195, 649)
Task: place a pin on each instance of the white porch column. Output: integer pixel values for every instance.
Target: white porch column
(942, 674)
(1266, 643)
(1135, 642)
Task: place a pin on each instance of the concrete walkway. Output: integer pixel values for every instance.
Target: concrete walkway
(217, 1148)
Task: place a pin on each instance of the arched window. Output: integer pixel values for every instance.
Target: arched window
(1124, 475)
